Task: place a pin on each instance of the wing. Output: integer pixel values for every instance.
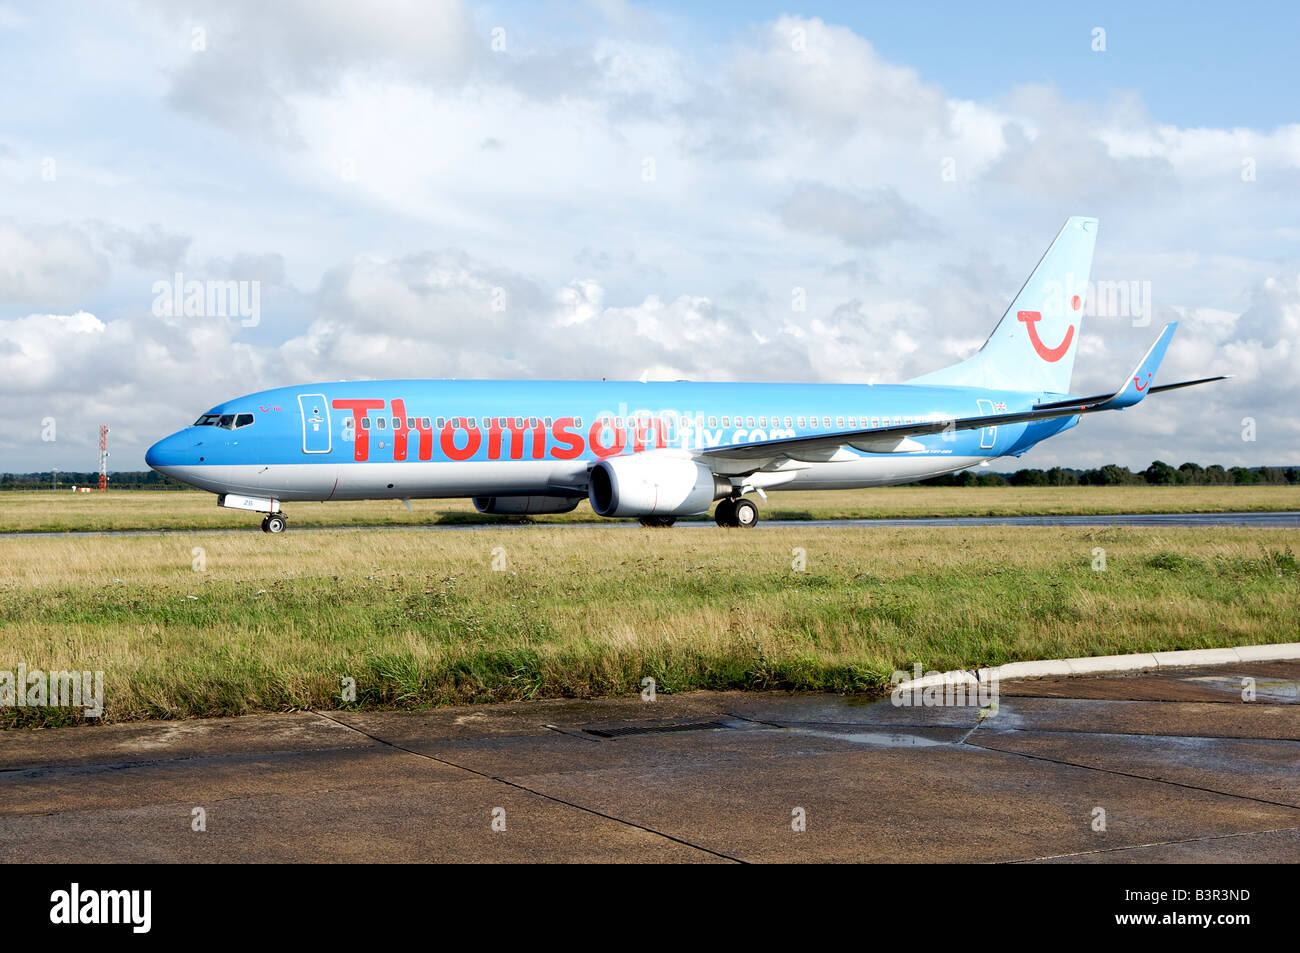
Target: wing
(897, 438)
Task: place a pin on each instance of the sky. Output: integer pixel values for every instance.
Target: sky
(566, 189)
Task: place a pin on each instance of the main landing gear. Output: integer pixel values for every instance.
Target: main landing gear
(275, 523)
(736, 511)
(657, 522)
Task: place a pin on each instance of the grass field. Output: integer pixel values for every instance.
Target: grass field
(250, 623)
(47, 510)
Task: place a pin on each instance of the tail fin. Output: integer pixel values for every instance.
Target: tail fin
(1033, 346)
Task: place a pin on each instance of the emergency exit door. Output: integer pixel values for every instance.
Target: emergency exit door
(988, 435)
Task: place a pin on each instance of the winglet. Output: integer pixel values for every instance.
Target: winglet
(1136, 387)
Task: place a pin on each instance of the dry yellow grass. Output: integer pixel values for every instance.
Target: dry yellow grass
(421, 618)
(38, 510)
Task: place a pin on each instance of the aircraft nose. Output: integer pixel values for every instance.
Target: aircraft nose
(163, 456)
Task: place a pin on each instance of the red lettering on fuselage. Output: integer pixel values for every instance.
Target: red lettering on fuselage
(562, 431)
(641, 431)
(423, 425)
(599, 449)
(563, 440)
(449, 448)
(360, 436)
(538, 430)
(400, 429)
(517, 427)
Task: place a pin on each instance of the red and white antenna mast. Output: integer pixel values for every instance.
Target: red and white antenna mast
(103, 457)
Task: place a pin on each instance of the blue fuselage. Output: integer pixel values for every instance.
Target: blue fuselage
(404, 438)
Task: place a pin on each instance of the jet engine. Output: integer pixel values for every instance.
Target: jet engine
(649, 484)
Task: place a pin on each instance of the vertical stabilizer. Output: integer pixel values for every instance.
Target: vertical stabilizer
(1033, 346)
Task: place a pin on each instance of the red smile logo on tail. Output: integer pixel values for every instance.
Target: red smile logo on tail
(1049, 354)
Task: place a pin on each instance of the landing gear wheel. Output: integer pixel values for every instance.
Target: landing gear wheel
(657, 522)
(746, 514)
(275, 523)
(725, 513)
(264, 529)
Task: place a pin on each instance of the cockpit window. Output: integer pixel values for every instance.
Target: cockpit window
(224, 421)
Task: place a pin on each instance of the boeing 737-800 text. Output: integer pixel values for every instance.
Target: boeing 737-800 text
(659, 450)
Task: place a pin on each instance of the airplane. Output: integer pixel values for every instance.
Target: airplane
(657, 451)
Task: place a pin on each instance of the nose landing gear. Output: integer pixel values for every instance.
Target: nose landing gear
(736, 512)
(275, 523)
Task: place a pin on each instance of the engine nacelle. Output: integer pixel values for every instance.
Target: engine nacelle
(650, 484)
(520, 505)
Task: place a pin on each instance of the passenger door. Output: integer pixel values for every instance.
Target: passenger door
(316, 436)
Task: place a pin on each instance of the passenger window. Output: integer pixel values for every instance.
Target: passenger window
(789, 422)
(577, 421)
(726, 421)
(546, 422)
(812, 422)
(749, 421)
(875, 421)
(803, 421)
(762, 421)
(713, 421)
(839, 423)
(853, 423)
(826, 422)
(424, 423)
(381, 423)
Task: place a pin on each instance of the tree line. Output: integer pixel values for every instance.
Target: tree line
(66, 479)
(1158, 474)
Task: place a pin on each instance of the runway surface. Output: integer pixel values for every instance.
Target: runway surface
(1284, 520)
(1160, 766)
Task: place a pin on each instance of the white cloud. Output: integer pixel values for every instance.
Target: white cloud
(254, 57)
(828, 79)
(49, 265)
(400, 182)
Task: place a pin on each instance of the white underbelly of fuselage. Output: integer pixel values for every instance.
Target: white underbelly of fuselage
(427, 480)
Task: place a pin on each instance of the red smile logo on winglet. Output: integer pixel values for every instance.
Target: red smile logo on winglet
(1049, 354)
(1141, 387)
